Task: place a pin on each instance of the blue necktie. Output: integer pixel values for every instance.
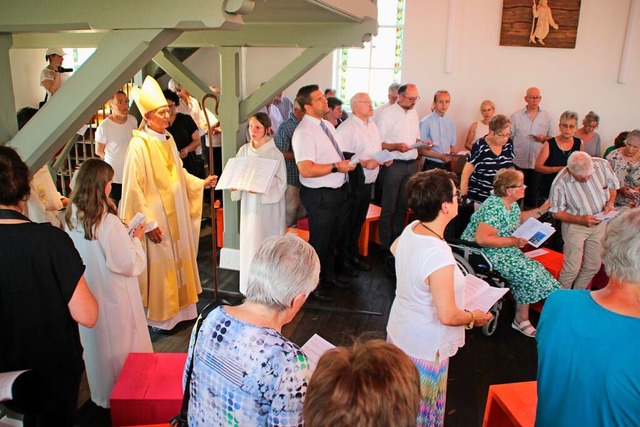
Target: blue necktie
(333, 141)
(335, 145)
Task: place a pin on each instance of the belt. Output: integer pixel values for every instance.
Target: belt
(326, 188)
(403, 161)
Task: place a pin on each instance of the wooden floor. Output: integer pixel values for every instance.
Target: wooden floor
(362, 311)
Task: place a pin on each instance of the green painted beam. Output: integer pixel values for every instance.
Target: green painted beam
(118, 56)
(229, 122)
(283, 79)
(297, 34)
(180, 73)
(76, 15)
(8, 124)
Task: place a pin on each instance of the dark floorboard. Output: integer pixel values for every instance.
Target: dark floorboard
(361, 311)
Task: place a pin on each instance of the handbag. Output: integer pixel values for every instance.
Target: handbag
(180, 420)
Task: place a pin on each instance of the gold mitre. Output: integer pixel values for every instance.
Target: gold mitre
(149, 97)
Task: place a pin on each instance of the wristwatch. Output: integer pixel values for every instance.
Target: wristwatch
(334, 168)
(473, 320)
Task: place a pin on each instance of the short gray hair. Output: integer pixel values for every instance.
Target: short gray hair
(173, 86)
(569, 115)
(284, 267)
(498, 123)
(355, 99)
(393, 87)
(632, 136)
(621, 247)
(591, 117)
(580, 164)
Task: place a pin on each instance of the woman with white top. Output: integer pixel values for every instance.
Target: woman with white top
(480, 128)
(261, 215)
(426, 319)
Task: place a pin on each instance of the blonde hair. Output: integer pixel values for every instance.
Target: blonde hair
(505, 179)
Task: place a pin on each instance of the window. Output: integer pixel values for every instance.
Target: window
(373, 68)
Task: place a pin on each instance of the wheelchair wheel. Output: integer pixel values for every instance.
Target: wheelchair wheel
(490, 327)
(464, 264)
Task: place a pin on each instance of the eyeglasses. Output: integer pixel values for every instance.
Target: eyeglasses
(411, 98)
(163, 112)
(364, 102)
(503, 135)
(458, 197)
(518, 186)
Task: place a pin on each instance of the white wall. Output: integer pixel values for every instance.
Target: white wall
(26, 65)
(580, 79)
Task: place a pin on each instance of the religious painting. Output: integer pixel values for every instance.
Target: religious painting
(540, 23)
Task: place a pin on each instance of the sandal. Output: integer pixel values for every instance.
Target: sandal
(525, 328)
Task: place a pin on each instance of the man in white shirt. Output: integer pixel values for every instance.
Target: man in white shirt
(112, 139)
(399, 130)
(323, 177)
(359, 136)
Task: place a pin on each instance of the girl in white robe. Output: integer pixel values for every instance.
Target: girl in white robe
(113, 261)
(261, 215)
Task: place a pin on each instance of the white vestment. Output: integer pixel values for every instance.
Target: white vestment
(261, 215)
(113, 261)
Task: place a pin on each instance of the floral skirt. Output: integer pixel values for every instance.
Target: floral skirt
(433, 390)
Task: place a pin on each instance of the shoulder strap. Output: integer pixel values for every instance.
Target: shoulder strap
(181, 419)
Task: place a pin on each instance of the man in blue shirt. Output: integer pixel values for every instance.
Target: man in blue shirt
(293, 206)
(441, 131)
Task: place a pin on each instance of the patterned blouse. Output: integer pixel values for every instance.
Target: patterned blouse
(486, 165)
(245, 375)
(628, 174)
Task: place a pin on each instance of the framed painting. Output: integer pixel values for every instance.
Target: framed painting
(540, 23)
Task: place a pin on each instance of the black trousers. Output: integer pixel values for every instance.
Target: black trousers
(394, 200)
(327, 210)
(532, 181)
(359, 202)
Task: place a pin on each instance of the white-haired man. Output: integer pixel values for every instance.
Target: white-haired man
(392, 95)
(359, 135)
(585, 187)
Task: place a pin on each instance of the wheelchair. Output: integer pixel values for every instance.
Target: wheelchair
(472, 260)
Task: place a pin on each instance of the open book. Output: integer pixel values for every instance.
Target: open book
(534, 231)
(479, 295)
(382, 156)
(248, 174)
(421, 144)
(601, 216)
(315, 348)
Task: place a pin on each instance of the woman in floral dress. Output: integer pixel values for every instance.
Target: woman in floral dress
(625, 163)
(492, 227)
